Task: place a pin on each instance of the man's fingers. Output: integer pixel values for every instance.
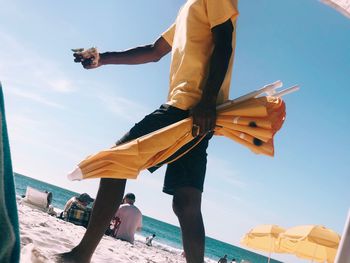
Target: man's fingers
(78, 57)
(78, 60)
(195, 130)
(202, 127)
(211, 124)
(199, 127)
(86, 62)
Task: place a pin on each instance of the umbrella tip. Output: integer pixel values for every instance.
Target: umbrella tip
(75, 175)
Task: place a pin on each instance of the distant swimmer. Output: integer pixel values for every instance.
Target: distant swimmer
(149, 240)
(223, 259)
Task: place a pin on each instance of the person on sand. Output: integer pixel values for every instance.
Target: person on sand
(223, 259)
(150, 239)
(233, 260)
(82, 201)
(130, 219)
(201, 42)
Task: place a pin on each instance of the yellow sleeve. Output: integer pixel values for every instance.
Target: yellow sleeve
(168, 35)
(220, 11)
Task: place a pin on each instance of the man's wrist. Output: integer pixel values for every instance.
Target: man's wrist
(103, 58)
(208, 98)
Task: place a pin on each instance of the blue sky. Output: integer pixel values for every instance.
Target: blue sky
(58, 113)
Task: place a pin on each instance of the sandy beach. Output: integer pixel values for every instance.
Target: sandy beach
(42, 236)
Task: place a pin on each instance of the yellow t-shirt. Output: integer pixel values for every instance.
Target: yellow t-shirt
(192, 45)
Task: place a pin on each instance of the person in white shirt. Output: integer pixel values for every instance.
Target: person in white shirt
(130, 219)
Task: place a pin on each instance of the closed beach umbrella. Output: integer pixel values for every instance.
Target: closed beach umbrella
(313, 242)
(264, 238)
(249, 120)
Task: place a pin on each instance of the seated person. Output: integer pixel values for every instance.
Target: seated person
(77, 211)
(130, 218)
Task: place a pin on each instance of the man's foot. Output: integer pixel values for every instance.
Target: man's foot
(70, 257)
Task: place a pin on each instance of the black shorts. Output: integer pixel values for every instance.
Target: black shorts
(189, 170)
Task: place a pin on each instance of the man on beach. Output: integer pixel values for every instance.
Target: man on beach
(130, 218)
(201, 42)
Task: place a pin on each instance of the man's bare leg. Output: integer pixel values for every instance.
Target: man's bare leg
(187, 207)
(108, 199)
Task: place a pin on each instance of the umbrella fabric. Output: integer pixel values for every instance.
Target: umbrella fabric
(264, 238)
(252, 122)
(312, 242)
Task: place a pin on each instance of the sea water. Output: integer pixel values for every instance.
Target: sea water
(168, 236)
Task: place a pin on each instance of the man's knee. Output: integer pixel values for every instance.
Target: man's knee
(187, 202)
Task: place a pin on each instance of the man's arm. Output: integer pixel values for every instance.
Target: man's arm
(204, 113)
(138, 55)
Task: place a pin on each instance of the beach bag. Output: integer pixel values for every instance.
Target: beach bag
(78, 216)
(113, 227)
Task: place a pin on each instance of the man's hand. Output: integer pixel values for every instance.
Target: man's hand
(89, 58)
(204, 118)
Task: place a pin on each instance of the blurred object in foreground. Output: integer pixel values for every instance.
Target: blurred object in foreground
(9, 228)
(342, 6)
(343, 255)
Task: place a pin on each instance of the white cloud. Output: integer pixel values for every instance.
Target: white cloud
(61, 85)
(31, 132)
(34, 97)
(224, 172)
(23, 66)
(124, 108)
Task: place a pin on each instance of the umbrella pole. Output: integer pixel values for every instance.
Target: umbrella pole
(268, 261)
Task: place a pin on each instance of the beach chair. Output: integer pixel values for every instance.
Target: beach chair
(37, 199)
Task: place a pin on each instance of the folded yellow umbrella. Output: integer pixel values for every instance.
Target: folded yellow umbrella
(248, 120)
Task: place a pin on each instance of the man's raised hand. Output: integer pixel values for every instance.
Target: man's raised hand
(89, 58)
